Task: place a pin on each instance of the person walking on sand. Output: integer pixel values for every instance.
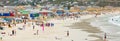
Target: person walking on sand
(96, 15)
(25, 22)
(105, 37)
(9, 25)
(24, 27)
(32, 23)
(67, 33)
(13, 32)
(33, 27)
(37, 32)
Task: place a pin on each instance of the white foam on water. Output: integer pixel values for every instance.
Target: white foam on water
(115, 20)
(106, 25)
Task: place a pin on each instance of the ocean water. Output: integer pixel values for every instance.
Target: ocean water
(115, 20)
(109, 24)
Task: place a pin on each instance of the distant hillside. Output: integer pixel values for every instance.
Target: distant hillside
(26, 2)
(80, 2)
(18, 2)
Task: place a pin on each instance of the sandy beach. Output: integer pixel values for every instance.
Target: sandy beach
(51, 33)
(85, 26)
(59, 20)
(80, 29)
(96, 31)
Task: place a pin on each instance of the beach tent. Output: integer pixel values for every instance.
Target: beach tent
(34, 15)
(6, 14)
(1, 14)
(6, 19)
(44, 12)
(12, 14)
(60, 12)
(24, 12)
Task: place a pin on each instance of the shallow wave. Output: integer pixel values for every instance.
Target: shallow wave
(112, 28)
(115, 20)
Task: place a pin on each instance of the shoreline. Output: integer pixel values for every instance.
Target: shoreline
(84, 25)
(80, 30)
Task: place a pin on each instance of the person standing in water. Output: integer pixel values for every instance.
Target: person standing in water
(105, 37)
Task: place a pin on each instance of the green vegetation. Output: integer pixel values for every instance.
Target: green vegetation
(34, 2)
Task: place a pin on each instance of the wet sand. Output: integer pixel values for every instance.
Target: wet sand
(85, 26)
